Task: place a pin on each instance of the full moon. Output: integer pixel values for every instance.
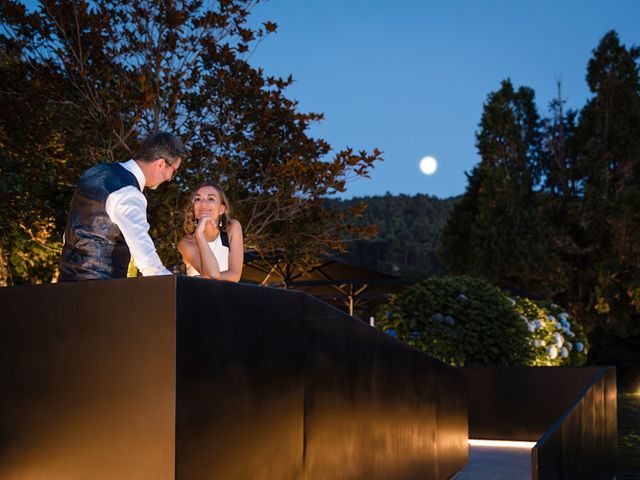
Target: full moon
(428, 165)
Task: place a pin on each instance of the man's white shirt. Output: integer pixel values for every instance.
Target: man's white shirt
(127, 208)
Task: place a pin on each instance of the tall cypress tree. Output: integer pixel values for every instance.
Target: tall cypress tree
(609, 168)
(496, 231)
(554, 206)
(560, 201)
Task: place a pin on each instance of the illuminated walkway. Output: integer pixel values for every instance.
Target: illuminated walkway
(497, 462)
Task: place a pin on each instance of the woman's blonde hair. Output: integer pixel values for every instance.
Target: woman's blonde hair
(190, 221)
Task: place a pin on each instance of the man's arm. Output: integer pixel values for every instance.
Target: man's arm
(127, 208)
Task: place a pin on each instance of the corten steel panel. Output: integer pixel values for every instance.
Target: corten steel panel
(270, 384)
(277, 385)
(521, 403)
(548, 463)
(452, 422)
(87, 381)
(611, 418)
(582, 443)
(376, 408)
(240, 355)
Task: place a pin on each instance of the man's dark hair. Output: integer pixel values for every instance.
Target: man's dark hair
(161, 145)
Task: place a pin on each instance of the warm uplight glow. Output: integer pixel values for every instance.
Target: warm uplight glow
(428, 165)
(501, 443)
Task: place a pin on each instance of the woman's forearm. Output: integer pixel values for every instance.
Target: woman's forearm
(230, 276)
(208, 262)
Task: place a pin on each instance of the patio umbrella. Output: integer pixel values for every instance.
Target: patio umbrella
(330, 279)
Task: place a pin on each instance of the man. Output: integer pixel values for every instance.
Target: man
(108, 214)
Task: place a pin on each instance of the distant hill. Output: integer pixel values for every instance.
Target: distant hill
(408, 233)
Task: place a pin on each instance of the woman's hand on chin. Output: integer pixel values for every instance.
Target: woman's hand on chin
(202, 224)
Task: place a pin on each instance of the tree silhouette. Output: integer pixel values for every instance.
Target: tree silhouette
(496, 231)
(553, 207)
(608, 162)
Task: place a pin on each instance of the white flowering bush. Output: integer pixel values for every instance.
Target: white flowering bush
(554, 337)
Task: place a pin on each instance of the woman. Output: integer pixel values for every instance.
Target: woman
(213, 245)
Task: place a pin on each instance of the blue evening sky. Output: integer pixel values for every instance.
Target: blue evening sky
(410, 77)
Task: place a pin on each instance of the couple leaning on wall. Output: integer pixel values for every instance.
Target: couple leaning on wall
(107, 222)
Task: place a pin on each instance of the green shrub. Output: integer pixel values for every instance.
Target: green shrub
(460, 320)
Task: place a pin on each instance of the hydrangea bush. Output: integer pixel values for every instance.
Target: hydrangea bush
(460, 320)
(554, 337)
(464, 320)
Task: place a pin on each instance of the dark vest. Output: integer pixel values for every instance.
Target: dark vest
(94, 247)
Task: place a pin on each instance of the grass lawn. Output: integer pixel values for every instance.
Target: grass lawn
(628, 436)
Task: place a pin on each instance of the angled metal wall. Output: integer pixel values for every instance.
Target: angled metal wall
(290, 387)
(569, 411)
(521, 403)
(240, 382)
(375, 408)
(581, 445)
(176, 377)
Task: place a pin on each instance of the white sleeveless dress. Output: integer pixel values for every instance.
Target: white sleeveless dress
(220, 251)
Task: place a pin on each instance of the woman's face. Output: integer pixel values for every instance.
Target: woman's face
(208, 203)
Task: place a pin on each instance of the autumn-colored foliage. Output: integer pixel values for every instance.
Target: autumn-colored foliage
(84, 82)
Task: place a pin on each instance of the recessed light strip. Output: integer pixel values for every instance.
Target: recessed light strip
(501, 443)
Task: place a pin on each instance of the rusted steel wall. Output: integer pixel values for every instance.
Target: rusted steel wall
(582, 443)
(569, 411)
(175, 377)
(292, 388)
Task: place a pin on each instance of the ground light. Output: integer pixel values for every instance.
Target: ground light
(501, 443)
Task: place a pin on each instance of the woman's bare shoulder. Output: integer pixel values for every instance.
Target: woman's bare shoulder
(234, 225)
(186, 242)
